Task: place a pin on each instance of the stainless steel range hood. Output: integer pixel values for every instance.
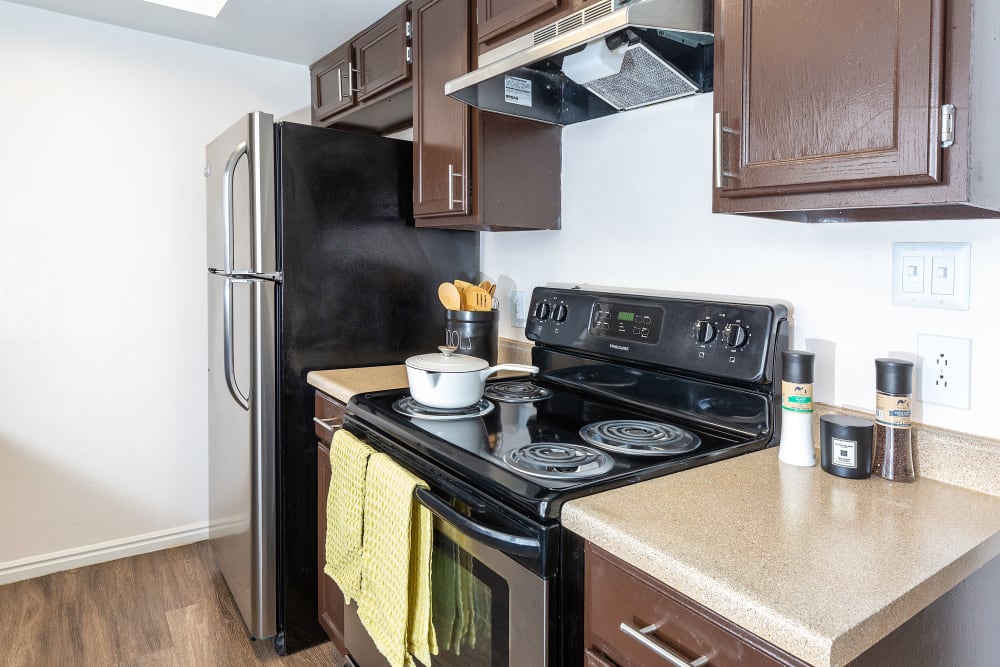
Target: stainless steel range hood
(611, 56)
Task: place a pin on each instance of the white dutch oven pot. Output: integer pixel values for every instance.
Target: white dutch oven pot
(451, 381)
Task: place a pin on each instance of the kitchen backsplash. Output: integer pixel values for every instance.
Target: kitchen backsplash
(636, 210)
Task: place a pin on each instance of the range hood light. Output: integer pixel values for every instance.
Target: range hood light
(596, 61)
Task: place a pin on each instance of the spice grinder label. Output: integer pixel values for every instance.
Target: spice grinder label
(796, 397)
(892, 410)
(845, 453)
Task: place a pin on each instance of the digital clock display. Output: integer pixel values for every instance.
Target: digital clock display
(628, 322)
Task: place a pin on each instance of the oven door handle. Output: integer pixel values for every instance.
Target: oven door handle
(510, 544)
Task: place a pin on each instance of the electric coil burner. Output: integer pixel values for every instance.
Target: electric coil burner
(409, 407)
(635, 386)
(516, 391)
(555, 460)
(639, 438)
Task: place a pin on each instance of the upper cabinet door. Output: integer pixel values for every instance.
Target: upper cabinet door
(331, 89)
(496, 17)
(819, 96)
(382, 53)
(441, 176)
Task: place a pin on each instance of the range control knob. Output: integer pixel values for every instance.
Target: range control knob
(560, 313)
(735, 335)
(542, 310)
(704, 331)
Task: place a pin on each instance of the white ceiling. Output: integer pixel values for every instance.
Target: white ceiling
(296, 31)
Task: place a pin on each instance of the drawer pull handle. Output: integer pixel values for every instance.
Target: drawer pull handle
(675, 659)
(330, 424)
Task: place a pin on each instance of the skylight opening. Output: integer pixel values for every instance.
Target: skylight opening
(204, 7)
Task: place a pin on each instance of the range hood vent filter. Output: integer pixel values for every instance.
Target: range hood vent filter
(644, 79)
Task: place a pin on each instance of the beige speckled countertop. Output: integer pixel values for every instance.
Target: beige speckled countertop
(820, 566)
(344, 383)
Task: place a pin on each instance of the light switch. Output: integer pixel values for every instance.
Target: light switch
(913, 274)
(942, 275)
(931, 275)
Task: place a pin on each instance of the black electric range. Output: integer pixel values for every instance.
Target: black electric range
(681, 381)
(630, 387)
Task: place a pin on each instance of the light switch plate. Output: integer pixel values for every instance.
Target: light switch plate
(931, 275)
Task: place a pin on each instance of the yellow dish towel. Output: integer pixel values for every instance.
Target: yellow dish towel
(345, 512)
(395, 601)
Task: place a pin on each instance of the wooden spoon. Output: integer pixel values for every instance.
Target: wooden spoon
(450, 296)
(487, 286)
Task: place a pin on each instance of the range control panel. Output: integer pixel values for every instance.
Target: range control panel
(734, 340)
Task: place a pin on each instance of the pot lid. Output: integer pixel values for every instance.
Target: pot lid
(447, 362)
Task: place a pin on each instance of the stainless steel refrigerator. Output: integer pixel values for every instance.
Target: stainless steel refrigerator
(313, 263)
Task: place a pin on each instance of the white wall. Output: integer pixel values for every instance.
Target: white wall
(636, 201)
(102, 287)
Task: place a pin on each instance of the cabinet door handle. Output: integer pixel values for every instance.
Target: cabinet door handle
(720, 132)
(330, 424)
(451, 188)
(340, 85)
(350, 79)
(668, 654)
(718, 150)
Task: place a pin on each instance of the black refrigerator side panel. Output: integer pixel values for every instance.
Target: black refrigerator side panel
(359, 289)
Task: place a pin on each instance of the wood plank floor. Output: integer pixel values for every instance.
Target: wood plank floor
(168, 608)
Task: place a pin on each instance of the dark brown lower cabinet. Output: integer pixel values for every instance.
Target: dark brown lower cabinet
(962, 627)
(618, 597)
(329, 417)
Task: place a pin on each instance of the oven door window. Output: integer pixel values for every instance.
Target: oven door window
(470, 609)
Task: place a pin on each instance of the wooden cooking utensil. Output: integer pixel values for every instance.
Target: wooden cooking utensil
(462, 285)
(487, 286)
(450, 297)
(475, 298)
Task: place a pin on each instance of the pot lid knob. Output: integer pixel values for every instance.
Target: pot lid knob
(447, 350)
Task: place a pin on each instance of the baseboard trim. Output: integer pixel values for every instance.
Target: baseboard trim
(57, 561)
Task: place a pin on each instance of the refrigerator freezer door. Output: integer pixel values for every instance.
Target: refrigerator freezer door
(241, 372)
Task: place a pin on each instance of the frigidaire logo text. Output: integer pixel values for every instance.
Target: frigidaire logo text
(615, 346)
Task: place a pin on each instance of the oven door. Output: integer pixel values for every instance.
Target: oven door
(488, 610)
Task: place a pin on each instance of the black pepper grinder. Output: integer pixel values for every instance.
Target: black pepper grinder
(893, 444)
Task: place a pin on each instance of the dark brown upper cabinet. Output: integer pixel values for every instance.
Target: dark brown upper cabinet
(499, 17)
(365, 84)
(331, 92)
(856, 110)
(441, 124)
(383, 54)
(473, 170)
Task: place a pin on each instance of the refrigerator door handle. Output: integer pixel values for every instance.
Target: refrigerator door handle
(248, 276)
(227, 203)
(227, 344)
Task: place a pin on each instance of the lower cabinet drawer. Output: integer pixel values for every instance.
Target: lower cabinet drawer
(329, 417)
(631, 620)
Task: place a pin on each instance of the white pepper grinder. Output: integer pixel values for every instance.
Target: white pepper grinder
(796, 444)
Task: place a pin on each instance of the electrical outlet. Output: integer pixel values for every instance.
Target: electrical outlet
(518, 310)
(945, 370)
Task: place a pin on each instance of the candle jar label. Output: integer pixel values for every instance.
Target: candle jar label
(796, 397)
(845, 453)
